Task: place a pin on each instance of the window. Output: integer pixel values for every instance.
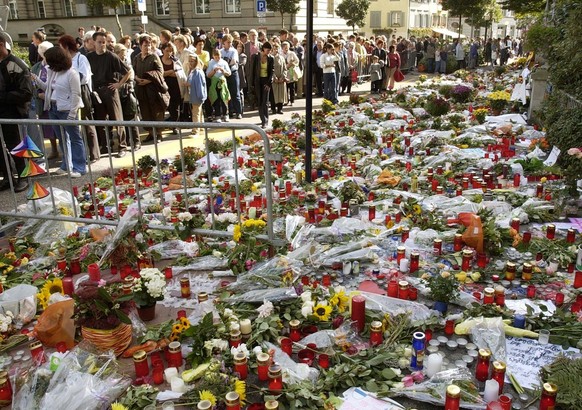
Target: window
(68, 7)
(376, 19)
(41, 9)
(162, 7)
(232, 6)
(13, 9)
(202, 7)
(395, 18)
(330, 7)
(128, 9)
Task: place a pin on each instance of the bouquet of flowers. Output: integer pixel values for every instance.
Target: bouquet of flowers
(462, 93)
(149, 287)
(498, 100)
(444, 287)
(101, 306)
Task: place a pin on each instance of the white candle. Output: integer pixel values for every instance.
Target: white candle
(170, 373)
(404, 265)
(252, 212)
(434, 363)
(246, 327)
(491, 391)
(178, 385)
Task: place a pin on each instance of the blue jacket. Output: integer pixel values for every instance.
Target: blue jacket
(197, 81)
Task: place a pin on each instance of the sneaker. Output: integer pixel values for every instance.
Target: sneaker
(20, 186)
(60, 171)
(239, 116)
(75, 174)
(137, 146)
(225, 119)
(218, 120)
(121, 153)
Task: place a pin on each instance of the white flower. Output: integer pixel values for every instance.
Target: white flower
(306, 296)
(167, 212)
(216, 254)
(139, 237)
(307, 309)
(190, 248)
(241, 348)
(257, 350)
(266, 309)
(228, 312)
(184, 216)
(233, 324)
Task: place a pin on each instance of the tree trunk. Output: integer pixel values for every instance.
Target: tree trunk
(460, 26)
(118, 24)
(282, 20)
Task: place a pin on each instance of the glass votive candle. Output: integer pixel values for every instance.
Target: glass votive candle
(432, 349)
(471, 346)
(452, 345)
(323, 360)
(468, 359)
(434, 342)
(462, 342)
(544, 336)
(460, 363)
(443, 339)
(473, 353)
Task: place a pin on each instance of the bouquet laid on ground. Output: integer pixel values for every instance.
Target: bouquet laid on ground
(101, 306)
(149, 287)
(443, 286)
(498, 100)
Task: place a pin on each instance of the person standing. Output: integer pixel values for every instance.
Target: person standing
(460, 55)
(197, 90)
(218, 93)
(294, 73)
(252, 49)
(109, 74)
(317, 52)
(63, 100)
(279, 86)
(327, 63)
(37, 37)
(262, 80)
(173, 74)
(474, 54)
(431, 55)
(393, 65)
(229, 54)
(15, 95)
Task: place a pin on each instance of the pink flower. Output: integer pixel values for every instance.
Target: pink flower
(417, 376)
(408, 381)
(101, 283)
(573, 151)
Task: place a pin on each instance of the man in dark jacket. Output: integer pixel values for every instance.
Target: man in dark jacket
(15, 95)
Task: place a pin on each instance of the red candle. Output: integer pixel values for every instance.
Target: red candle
(240, 365)
(175, 354)
(168, 273)
(140, 362)
(323, 361)
(326, 280)
(414, 261)
(263, 362)
(371, 212)
(400, 254)
(68, 286)
(453, 397)
(578, 279)
(275, 378)
(434, 185)
(505, 402)
(449, 327)
(551, 231)
(548, 400)
(37, 352)
(576, 307)
(571, 236)
(94, 272)
(403, 290)
(393, 289)
(559, 299)
(482, 260)
(287, 345)
(359, 312)
(294, 332)
(489, 296)
(376, 336)
(531, 291)
(499, 374)
(467, 258)
(516, 180)
(412, 293)
(235, 338)
(232, 400)
(437, 246)
(185, 288)
(5, 389)
(405, 234)
(458, 242)
(428, 335)
(482, 369)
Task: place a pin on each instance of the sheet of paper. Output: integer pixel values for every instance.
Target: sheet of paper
(553, 157)
(525, 357)
(358, 399)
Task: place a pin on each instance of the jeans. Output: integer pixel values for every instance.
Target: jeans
(71, 144)
(430, 65)
(329, 88)
(233, 83)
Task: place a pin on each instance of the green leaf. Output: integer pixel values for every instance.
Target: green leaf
(123, 317)
(388, 374)
(103, 294)
(371, 386)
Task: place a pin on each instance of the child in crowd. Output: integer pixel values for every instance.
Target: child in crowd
(376, 74)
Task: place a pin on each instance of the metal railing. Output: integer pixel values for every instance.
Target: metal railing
(137, 191)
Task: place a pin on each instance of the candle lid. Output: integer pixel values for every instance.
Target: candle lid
(182, 280)
(35, 345)
(403, 284)
(437, 240)
(235, 333)
(271, 405)
(550, 389)
(467, 252)
(263, 358)
(401, 249)
(510, 265)
(240, 358)
(376, 326)
(174, 347)
(294, 324)
(140, 356)
(275, 371)
(499, 366)
(489, 291)
(485, 353)
(202, 297)
(231, 398)
(204, 405)
(453, 391)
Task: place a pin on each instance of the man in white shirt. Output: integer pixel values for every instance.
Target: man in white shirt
(327, 63)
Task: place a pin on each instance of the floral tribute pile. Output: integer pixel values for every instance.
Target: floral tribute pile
(427, 216)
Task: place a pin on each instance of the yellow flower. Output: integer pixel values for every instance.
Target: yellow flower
(207, 395)
(177, 328)
(185, 323)
(237, 233)
(42, 298)
(174, 337)
(54, 286)
(417, 209)
(118, 406)
(445, 274)
(341, 300)
(322, 312)
(241, 388)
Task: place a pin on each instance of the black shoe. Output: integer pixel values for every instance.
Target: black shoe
(5, 186)
(103, 150)
(279, 111)
(20, 186)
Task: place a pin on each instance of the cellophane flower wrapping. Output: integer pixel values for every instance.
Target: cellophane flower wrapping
(86, 379)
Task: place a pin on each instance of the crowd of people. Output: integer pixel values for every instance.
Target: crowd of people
(199, 76)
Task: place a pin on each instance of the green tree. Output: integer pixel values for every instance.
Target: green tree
(354, 12)
(490, 13)
(465, 8)
(284, 7)
(524, 6)
(114, 4)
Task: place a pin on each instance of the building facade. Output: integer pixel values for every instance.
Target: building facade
(65, 16)
(507, 26)
(387, 17)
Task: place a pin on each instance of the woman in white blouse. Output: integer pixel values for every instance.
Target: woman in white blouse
(63, 100)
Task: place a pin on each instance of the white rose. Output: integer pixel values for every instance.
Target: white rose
(257, 350)
(306, 296)
(306, 310)
(167, 212)
(184, 216)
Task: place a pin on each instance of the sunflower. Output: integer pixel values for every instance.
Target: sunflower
(118, 406)
(207, 395)
(42, 297)
(54, 286)
(341, 300)
(241, 388)
(185, 323)
(322, 312)
(177, 328)
(174, 337)
(416, 209)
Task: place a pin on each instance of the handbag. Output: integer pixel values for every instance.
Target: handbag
(398, 76)
(86, 97)
(354, 76)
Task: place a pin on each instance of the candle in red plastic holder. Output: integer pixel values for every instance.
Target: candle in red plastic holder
(571, 267)
(94, 272)
(323, 361)
(571, 236)
(551, 231)
(548, 399)
(578, 279)
(428, 335)
(405, 234)
(75, 266)
(467, 259)
(483, 362)
(232, 400)
(326, 280)
(168, 273)
(359, 312)
(576, 307)
(37, 352)
(403, 289)
(449, 327)
(482, 260)
(458, 242)
(505, 401)
(510, 271)
(294, 332)
(287, 345)
(240, 365)
(235, 338)
(488, 296)
(371, 212)
(412, 293)
(400, 254)
(275, 378)
(140, 362)
(414, 261)
(393, 288)
(113, 270)
(559, 299)
(531, 291)
(279, 169)
(516, 180)
(498, 374)
(185, 288)
(515, 223)
(263, 362)
(68, 286)
(397, 217)
(5, 389)
(175, 354)
(453, 397)
(158, 373)
(376, 334)
(434, 185)
(438, 246)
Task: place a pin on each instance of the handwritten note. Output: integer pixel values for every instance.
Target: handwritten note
(525, 357)
(358, 399)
